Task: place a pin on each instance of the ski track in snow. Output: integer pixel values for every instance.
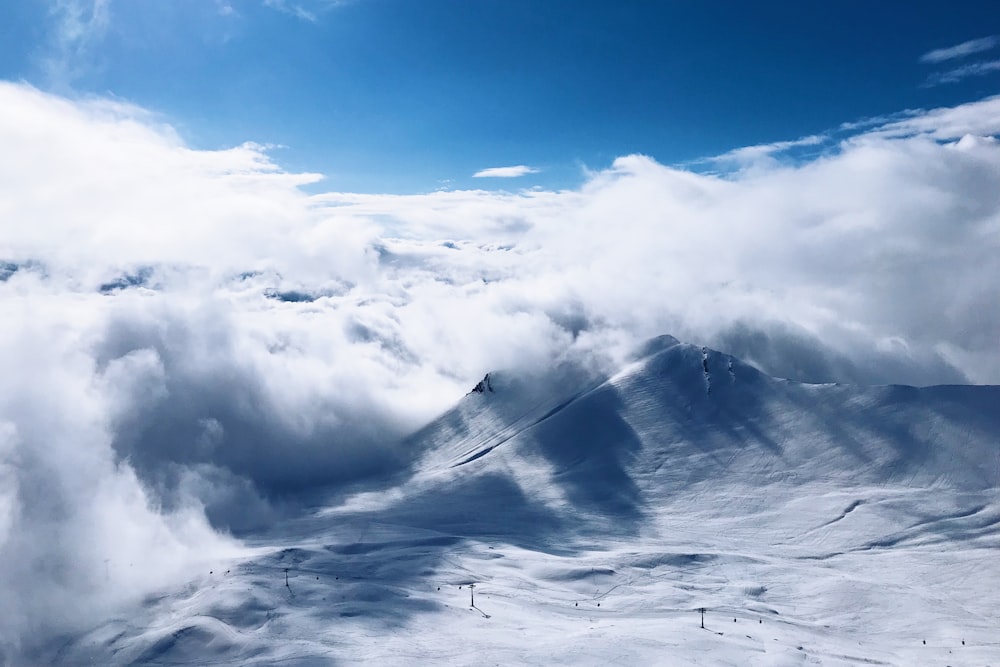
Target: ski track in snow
(816, 524)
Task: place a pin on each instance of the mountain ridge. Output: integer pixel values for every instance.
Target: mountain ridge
(713, 387)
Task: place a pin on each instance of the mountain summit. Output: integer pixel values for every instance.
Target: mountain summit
(694, 413)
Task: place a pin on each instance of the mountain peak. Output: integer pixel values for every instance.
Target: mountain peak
(483, 386)
(654, 345)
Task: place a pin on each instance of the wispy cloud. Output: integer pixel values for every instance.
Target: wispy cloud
(946, 124)
(224, 8)
(307, 10)
(869, 122)
(963, 72)
(961, 50)
(505, 172)
(292, 8)
(78, 25)
(758, 154)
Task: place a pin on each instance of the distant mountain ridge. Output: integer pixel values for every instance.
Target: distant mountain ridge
(692, 405)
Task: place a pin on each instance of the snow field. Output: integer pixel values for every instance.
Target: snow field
(816, 524)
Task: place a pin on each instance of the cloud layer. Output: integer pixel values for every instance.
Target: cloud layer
(189, 335)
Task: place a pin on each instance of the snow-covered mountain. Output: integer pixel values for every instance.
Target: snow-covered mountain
(595, 515)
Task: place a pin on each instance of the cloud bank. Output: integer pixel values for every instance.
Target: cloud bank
(193, 344)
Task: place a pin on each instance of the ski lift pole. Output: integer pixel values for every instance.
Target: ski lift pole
(472, 595)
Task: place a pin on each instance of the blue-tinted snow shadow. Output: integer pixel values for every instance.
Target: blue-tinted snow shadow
(591, 449)
(379, 568)
(699, 411)
(484, 506)
(906, 435)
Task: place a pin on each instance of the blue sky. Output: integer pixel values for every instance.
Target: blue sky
(405, 96)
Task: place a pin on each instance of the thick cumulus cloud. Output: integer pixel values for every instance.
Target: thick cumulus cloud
(192, 343)
(80, 537)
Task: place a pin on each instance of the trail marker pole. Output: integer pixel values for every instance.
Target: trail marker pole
(702, 610)
(472, 595)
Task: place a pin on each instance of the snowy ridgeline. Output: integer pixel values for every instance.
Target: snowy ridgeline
(814, 524)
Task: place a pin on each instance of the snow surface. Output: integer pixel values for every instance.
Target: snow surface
(816, 524)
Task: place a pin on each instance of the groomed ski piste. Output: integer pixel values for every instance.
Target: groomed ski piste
(579, 519)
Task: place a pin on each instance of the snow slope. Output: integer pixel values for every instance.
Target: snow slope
(816, 524)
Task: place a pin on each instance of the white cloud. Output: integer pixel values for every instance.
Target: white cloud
(961, 50)
(763, 154)
(78, 26)
(187, 329)
(980, 118)
(964, 72)
(505, 172)
(308, 10)
(855, 126)
(80, 536)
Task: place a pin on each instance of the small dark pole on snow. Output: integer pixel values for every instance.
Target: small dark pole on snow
(472, 595)
(286, 579)
(702, 610)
